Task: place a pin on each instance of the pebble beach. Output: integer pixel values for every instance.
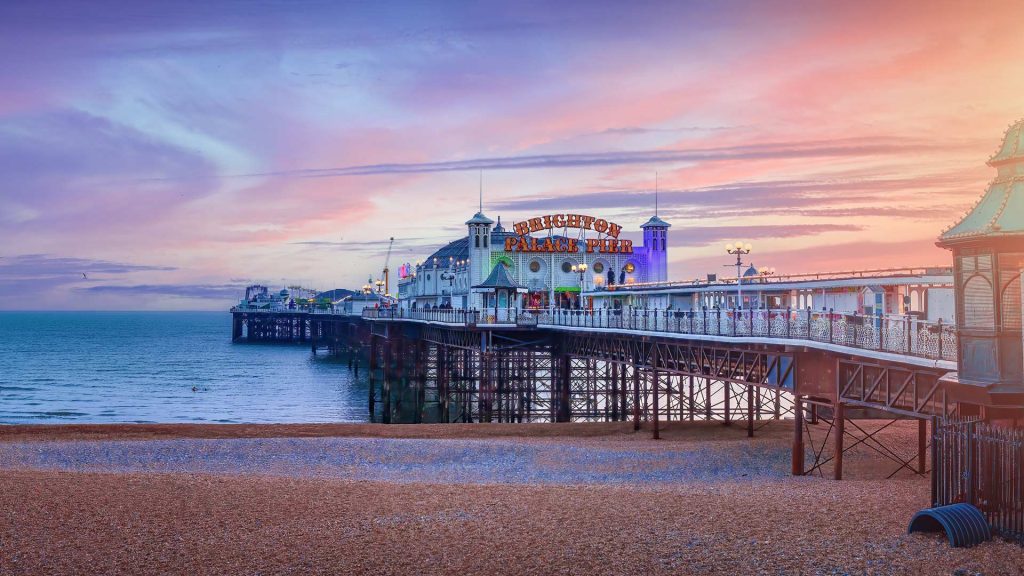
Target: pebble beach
(496, 499)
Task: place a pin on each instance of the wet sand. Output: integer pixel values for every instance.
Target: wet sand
(734, 510)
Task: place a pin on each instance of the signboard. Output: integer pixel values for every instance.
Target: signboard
(526, 243)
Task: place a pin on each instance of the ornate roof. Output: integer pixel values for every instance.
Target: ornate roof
(499, 278)
(1013, 145)
(655, 222)
(479, 218)
(1000, 211)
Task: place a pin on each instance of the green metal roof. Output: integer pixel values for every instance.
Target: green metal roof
(1013, 145)
(655, 222)
(1000, 211)
(499, 278)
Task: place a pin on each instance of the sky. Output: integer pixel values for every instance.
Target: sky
(164, 155)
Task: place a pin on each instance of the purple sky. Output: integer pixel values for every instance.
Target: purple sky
(163, 155)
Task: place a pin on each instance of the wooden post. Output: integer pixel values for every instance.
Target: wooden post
(798, 437)
(840, 418)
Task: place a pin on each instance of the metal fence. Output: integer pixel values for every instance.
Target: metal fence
(906, 335)
(981, 464)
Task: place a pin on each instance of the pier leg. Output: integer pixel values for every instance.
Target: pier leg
(840, 418)
(443, 375)
(615, 390)
(636, 395)
(922, 445)
(421, 380)
(385, 393)
(563, 386)
(727, 387)
(655, 377)
(707, 399)
(750, 411)
(798, 437)
(690, 401)
(623, 393)
(373, 366)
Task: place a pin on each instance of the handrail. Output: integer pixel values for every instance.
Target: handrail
(898, 334)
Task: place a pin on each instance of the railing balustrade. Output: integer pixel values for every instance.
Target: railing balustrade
(904, 335)
(898, 334)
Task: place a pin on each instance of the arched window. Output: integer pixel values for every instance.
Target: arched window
(485, 240)
(978, 305)
(477, 240)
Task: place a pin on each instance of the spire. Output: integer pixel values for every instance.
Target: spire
(655, 193)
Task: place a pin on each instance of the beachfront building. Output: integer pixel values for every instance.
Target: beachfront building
(550, 260)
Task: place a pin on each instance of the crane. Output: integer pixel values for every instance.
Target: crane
(387, 259)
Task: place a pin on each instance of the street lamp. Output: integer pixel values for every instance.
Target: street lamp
(739, 249)
(582, 270)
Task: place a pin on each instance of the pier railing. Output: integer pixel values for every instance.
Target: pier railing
(502, 316)
(898, 334)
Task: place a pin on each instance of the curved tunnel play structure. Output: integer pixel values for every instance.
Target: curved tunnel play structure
(964, 525)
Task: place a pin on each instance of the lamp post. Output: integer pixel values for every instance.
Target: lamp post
(582, 270)
(738, 250)
(449, 275)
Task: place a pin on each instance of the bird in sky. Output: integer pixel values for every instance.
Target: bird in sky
(84, 276)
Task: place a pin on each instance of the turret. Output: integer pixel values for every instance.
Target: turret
(656, 247)
(479, 253)
(988, 257)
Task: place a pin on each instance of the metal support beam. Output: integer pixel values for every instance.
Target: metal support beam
(798, 437)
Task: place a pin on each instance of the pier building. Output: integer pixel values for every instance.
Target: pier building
(554, 258)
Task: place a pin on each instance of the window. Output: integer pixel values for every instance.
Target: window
(598, 267)
(567, 266)
(535, 266)
(477, 237)
(485, 241)
(978, 309)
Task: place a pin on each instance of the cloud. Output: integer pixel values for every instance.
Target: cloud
(804, 149)
(198, 291)
(703, 235)
(813, 197)
(44, 266)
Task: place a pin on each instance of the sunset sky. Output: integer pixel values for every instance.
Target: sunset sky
(164, 155)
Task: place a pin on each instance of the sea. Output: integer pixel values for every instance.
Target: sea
(102, 367)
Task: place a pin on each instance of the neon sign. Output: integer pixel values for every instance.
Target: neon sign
(527, 243)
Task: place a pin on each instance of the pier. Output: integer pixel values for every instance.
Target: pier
(497, 327)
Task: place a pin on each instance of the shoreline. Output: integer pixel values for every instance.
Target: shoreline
(670, 431)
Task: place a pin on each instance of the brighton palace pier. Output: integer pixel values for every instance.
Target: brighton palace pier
(560, 318)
